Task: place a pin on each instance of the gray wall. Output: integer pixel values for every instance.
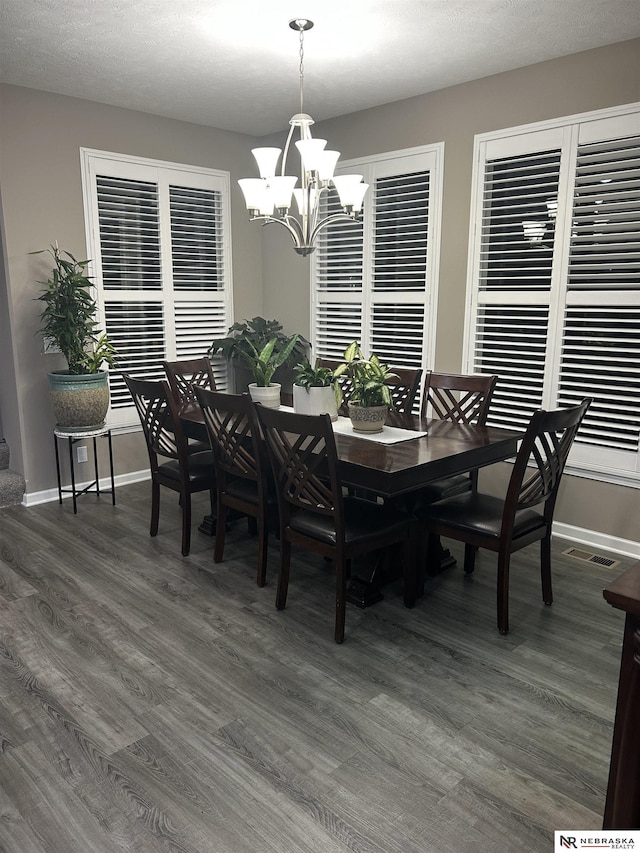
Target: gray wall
(591, 80)
(41, 135)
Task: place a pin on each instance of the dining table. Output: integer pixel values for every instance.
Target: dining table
(396, 465)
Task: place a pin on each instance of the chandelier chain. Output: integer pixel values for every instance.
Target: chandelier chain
(301, 70)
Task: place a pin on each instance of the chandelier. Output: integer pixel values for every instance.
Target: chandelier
(269, 197)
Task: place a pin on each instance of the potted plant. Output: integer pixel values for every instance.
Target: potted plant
(316, 390)
(80, 394)
(371, 397)
(250, 336)
(263, 364)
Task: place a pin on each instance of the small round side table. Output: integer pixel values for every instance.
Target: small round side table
(72, 437)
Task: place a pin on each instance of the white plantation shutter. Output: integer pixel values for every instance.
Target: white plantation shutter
(159, 239)
(555, 280)
(338, 283)
(375, 280)
(514, 276)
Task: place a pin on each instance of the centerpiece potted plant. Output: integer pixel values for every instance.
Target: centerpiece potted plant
(316, 390)
(80, 394)
(371, 397)
(246, 339)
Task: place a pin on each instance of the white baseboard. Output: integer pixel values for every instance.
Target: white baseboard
(597, 541)
(35, 498)
(594, 540)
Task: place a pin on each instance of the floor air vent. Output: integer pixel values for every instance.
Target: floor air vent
(589, 557)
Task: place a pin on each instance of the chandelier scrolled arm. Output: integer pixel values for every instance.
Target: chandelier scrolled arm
(269, 198)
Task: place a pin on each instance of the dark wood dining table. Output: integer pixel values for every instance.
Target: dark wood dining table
(396, 470)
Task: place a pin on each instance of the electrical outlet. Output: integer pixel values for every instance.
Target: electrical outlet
(81, 453)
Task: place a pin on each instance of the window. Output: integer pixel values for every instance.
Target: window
(554, 279)
(158, 235)
(375, 281)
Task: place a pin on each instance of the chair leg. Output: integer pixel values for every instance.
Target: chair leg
(283, 577)
(263, 543)
(503, 591)
(221, 530)
(155, 508)
(252, 525)
(545, 568)
(469, 558)
(341, 599)
(186, 523)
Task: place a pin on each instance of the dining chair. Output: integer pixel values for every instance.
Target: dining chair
(242, 481)
(187, 375)
(181, 471)
(344, 381)
(462, 399)
(523, 516)
(404, 389)
(184, 377)
(313, 512)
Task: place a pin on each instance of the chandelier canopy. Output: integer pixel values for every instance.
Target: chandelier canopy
(269, 197)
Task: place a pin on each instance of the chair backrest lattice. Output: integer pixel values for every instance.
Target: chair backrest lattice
(304, 460)
(404, 389)
(185, 376)
(159, 418)
(460, 398)
(542, 457)
(344, 381)
(233, 432)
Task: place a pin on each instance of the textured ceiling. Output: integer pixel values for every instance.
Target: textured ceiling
(233, 64)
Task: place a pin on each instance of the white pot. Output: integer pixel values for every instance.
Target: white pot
(315, 401)
(268, 395)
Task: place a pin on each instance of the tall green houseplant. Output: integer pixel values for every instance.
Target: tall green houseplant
(68, 315)
(79, 394)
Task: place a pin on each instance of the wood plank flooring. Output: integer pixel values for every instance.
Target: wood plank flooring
(151, 702)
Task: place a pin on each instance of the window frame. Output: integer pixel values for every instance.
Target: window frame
(96, 162)
(565, 133)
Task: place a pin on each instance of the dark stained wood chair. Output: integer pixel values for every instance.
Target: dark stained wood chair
(187, 375)
(523, 516)
(404, 389)
(462, 399)
(314, 514)
(181, 471)
(241, 464)
(346, 385)
(184, 377)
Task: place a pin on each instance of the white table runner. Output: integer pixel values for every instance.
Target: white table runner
(389, 434)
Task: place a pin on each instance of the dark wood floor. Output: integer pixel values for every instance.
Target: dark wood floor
(150, 702)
